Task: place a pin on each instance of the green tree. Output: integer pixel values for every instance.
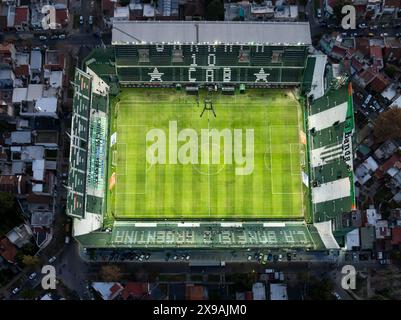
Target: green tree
(390, 70)
(9, 213)
(214, 10)
(320, 289)
(30, 261)
(110, 273)
(388, 125)
(28, 294)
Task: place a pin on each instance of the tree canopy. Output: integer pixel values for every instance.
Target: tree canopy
(214, 10)
(388, 125)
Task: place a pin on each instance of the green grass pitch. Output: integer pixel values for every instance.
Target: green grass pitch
(207, 191)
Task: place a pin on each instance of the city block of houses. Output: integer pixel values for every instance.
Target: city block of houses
(31, 91)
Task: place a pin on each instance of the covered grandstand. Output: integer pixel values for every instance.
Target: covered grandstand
(170, 54)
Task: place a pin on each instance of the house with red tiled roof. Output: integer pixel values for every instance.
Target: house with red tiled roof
(356, 65)
(366, 76)
(396, 236)
(54, 60)
(392, 49)
(21, 20)
(62, 18)
(387, 165)
(377, 56)
(135, 291)
(338, 53)
(196, 292)
(362, 45)
(391, 6)
(108, 290)
(7, 250)
(108, 7)
(7, 53)
(379, 83)
(22, 71)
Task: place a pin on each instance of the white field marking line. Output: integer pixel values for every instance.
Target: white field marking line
(294, 172)
(271, 161)
(208, 170)
(146, 169)
(300, 114)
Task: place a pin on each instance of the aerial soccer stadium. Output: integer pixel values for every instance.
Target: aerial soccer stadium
(210, 135)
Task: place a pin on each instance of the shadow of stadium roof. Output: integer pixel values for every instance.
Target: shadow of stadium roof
(288, 33)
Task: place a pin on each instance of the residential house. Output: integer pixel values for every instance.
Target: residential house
(259, 291)
(21, 20)
(19, 236)
(36, 65)
(62, 18)
(15, 184)
(7, 250)
(368, 237)
(135, 291)
(108, 290)
(7, 78)
(365, 170)
(7, 54)
(196, 292)
(396, 237)
(278, 291)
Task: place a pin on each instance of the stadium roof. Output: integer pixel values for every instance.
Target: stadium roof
(211, 32)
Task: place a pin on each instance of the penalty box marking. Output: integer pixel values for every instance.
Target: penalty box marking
(271, 162)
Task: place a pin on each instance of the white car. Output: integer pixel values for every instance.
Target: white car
(62, 36)
(32, 276)
(16, 290)
(337, 295)
(81, 20)
(90, 19)
(52, 259)
(42, 38)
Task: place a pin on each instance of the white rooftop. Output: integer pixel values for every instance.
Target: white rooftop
(278, 291)
(211, 32)
(352, 239)
(46, 105)
(21, 137)
(36, 60)
(35, 92)
(19, 95)
(372, 216)
(259, 291)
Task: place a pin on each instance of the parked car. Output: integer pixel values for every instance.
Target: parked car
(52, 259)
(16, 290)
(81, 20)
(319, 13)
(62, 36)
(336, 295)
(42, 38)
(32, 276)
(90, 19)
